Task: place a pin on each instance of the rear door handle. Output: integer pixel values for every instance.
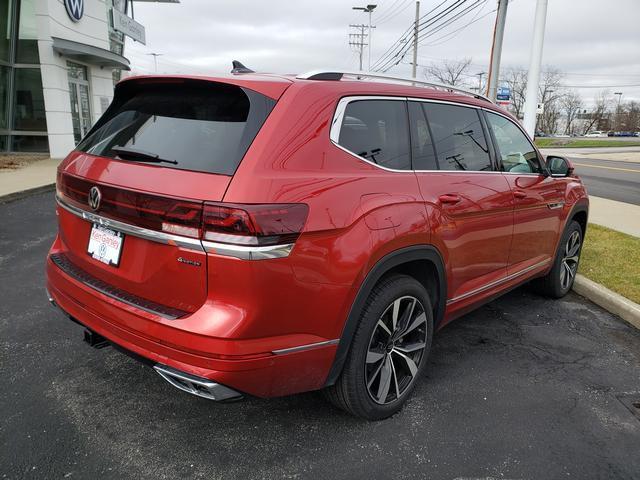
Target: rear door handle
(449, 198)
(519, 194)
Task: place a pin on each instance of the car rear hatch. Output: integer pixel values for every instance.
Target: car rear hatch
(132, 194)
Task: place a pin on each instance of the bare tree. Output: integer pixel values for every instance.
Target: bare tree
(551, 91)
(632, 114)
(571, 104)
(599, 111)
(516, 80)
(449, 72)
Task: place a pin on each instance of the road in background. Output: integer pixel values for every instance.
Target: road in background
(612, 173)
(525, 387)
(610, 179)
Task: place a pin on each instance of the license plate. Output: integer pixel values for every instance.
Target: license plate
(105, 245)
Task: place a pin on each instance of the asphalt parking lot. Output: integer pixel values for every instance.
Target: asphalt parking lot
(524, 388)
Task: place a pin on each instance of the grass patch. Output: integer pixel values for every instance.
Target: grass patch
(612, 259)
(583, 143)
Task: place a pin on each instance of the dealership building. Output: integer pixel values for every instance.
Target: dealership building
(59, 60)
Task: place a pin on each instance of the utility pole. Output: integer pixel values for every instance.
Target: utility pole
(480, 74)
(155, 60)
(415, 41)
(496, 49)
(357, 39)
(368, 9)
(535, 62)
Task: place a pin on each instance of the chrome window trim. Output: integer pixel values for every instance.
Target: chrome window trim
(338, 115)
(244, 252)
(309, 346)
(152, 235)
(497, 282)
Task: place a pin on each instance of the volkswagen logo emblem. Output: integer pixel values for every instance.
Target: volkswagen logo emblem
(75, 9)
(94, 198)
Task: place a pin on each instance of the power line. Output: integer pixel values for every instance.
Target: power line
(400, 10)
(441, 16)
(454, 33)
(404, 37)
(400, 49)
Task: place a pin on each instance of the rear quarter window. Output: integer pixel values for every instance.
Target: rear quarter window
(203, 126)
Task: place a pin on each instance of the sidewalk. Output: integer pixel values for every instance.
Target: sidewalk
(35, 175)
(623, 217)
(616, 154)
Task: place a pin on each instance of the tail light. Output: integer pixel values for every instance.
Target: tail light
(236, 224)
(259, 225)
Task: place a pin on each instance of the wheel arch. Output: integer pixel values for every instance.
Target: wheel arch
(580, 213)
(422, 262)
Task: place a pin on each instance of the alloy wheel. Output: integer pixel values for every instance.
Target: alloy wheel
(396, 349)
(569, 265)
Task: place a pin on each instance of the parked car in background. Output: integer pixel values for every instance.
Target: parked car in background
(595, 133)
(269, 235)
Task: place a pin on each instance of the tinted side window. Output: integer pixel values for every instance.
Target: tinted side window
(424, 157)
(458, 137)
(377, 130)
(516, 152)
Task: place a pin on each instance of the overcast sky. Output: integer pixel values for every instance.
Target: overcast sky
(595, 43)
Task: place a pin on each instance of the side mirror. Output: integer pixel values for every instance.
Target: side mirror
(559, 166)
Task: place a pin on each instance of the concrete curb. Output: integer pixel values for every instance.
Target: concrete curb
(12, 197)
(610, 301)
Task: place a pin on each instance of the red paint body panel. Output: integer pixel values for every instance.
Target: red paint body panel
(240, 311)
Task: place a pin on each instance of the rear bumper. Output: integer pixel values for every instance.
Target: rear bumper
(263, 367)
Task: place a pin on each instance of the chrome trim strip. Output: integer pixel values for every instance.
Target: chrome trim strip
(309, 346)
(152, 235)
(413, 81)
(497, 282)
(248, 252)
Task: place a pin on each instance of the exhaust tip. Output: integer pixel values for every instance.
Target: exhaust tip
(201, 387)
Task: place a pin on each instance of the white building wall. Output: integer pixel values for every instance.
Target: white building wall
(92, 29)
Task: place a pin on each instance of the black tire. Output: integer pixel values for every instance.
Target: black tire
(559, 280)
(394, 370)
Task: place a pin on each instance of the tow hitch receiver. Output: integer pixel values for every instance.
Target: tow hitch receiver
(95, 340)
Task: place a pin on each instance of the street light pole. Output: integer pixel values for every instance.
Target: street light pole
(480, 74)
(619, 94)
(368, 9)
(155, 60)
(535, 63)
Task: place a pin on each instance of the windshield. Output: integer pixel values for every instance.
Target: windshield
(207, 127)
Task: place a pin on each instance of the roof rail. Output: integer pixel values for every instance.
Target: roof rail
(339, 74)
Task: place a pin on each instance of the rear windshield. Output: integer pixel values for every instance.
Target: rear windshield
(206, 127)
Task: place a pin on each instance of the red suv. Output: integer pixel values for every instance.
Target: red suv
(268, 235)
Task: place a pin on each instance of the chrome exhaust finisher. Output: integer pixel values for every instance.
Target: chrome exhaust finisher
(201, 387)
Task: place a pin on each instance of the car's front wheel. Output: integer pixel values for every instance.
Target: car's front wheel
(388, 352)
(559, 280)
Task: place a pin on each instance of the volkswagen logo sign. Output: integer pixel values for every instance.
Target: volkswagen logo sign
(94, 198)
(75, 9)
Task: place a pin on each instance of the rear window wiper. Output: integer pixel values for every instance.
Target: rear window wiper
(128, 153)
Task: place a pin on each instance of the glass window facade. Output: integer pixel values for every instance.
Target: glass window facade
(23, 124)
(27, 46)
(6, 13)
